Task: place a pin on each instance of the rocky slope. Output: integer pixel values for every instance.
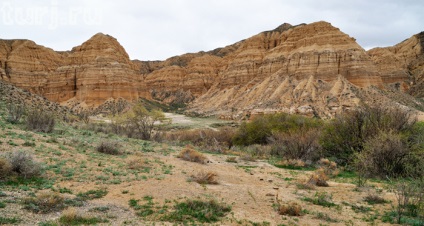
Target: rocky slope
(312, 69)
(403, 64)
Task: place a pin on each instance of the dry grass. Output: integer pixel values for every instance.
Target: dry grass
(290, 209)
(329, 167)
(189, 154)
(5, 168)
(205, 178)
(295, 163)
(45, 202)
(137, 164)
(72, 217)
(318, 178)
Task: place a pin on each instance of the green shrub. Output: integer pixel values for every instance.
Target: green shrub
(261, 128)
(347, 133)
(198, 210)
(15, 113)
(92, 194)
(385, 155)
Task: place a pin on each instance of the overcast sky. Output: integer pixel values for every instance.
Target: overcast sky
(156, 30)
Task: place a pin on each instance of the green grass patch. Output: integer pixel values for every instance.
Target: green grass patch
(7, 220)
(321, 199)
(198, 210)
(92, 194)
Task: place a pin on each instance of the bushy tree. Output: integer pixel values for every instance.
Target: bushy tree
(138, 122)
(347, 133)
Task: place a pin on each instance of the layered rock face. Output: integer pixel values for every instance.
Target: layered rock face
(88, 75)
(402, 64)
(313, 69)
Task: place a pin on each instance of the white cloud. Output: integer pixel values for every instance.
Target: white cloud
(160, 29)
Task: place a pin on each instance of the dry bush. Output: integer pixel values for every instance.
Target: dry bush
(215, 141)
(385, 155)
(329, 167)
(189, 154)
(290, 209)
(347, 133)
(374, 199)
(24, 164)
(205, 178)
(258, 151)
(137, 164)
(45, 202)
(318, 178)
(5, 168)
(302, 144)
(40, 121)
(109, 147)
(72, 217)
(292, 163)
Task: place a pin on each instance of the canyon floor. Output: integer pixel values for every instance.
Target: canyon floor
(252, 188)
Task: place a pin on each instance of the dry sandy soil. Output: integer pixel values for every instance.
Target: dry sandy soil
(252, 189)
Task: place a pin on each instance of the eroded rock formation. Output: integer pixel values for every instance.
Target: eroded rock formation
(312, 69)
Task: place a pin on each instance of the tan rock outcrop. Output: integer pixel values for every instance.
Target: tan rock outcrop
(311, 69)
(402, 64)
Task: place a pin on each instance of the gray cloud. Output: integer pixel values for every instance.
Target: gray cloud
(160, 29)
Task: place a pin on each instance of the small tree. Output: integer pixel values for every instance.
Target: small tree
(138, 122)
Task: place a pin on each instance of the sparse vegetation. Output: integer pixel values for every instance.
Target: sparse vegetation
(40, 120)
(92, 194)
(45, 202)
(197, 210)
(72, 217)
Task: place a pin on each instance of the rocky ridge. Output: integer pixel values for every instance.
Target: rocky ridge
(312, 69)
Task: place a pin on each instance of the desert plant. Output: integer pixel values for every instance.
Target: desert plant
(5, 168)
(290, 209)
(24, 164)
(318, 178)
(297, 144)
(108, 147)
(348, 132)
(205, 178)
(137, 164)
(203, 211)
(321, 199)
(385, 155)
(40, 121)
(72, 217)
(409, 199)
(189, 154)
(139, 122)
(261, 128)
(45, 202)
(92, 194)
(15, 112)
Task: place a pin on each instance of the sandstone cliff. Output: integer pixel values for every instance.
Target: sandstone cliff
(402, 64)
(312, 69)
(86, 76)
